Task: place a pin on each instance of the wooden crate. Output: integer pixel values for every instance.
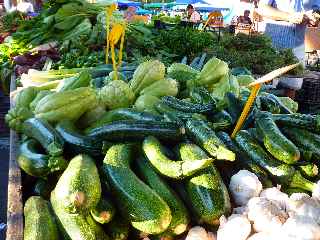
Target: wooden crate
(15, 205)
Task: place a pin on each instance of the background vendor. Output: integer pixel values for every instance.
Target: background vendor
(193, 15)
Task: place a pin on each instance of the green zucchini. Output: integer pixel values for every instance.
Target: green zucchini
(146, 210)
(44, 133)
(304, 139)
(298, 181)
(188, 107)
(309, 171)
(281, 172)
(76, 142)
(78, 226)
(205, 137)
(39, 221)
(180, 216)
(79, 188)
(35, 163)
(123, 114)
(174, 169)
(275, 142)
(118, 228)
(299, 120)
(137, 130)
(104, 211)
(243, 161)
(205, 191)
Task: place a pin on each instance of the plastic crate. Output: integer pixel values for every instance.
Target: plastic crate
(310, 91)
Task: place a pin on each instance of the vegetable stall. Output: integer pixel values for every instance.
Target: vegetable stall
(143, 149)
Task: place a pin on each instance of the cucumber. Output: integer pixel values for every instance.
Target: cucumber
(137, 130)
(243, 161)
(146, 210)
(304, 139)
(79, 188)
(205, 137)
(275, 142)
(180, 216)
(188, 107)
(309, 171)
(123, 114)
(205, 191)
(78, 226)
(298, 120)
(174, 169)
(76, 142)
(39, 221)
(44, 133)
(280, 171)
(104, 211)
(35, 163)
(118, 228)
(298, 181)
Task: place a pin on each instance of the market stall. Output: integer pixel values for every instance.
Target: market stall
(122, 131)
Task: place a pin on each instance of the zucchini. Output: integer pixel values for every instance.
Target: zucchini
(79, 188)
(304, 139)
(188, 107)
(78, 226)
(39, 220)
(123, 114)
(174, 169)
(179, 213)
(280, 171)
(137, 130)
(118, 228)
(146, 210)
(205, 137)
(77, 142)
(104, 211)
(275, 142)
(309, 171)
(298, 181)
(205, 191)
(299, 120)
(45, 134)
(35, 163)
(243, 161)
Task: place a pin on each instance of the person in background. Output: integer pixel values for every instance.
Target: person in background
(25, 7)
(130, 13)
(245, 19)
(286, 22)
(193, 15)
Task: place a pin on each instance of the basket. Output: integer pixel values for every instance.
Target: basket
(310, 91)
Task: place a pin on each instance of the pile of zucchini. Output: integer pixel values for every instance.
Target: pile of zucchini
(126, 174)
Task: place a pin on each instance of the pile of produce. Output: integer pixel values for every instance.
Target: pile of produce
(148, 155)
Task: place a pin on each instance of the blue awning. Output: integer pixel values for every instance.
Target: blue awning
(126, 3)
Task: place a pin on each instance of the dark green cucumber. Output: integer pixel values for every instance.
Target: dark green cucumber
(35, 163)
(309, 171)
(298, 181)
(243, 161)
(118, 228)
(77, 142)
(165, 109)
(280, 171)
(104, 211)
(304, 139)
(205, 191)
(78, 226)
(220, 121)
(275, 142)
(123, 114)
(174, 169)
(201, 95)
(79, 188)
(188, 107)
(179, 213)
(269, 105)
(146, 210)
(39, 220)
(137, 130)
(205, 137)
(299, 120)
(44, 133)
